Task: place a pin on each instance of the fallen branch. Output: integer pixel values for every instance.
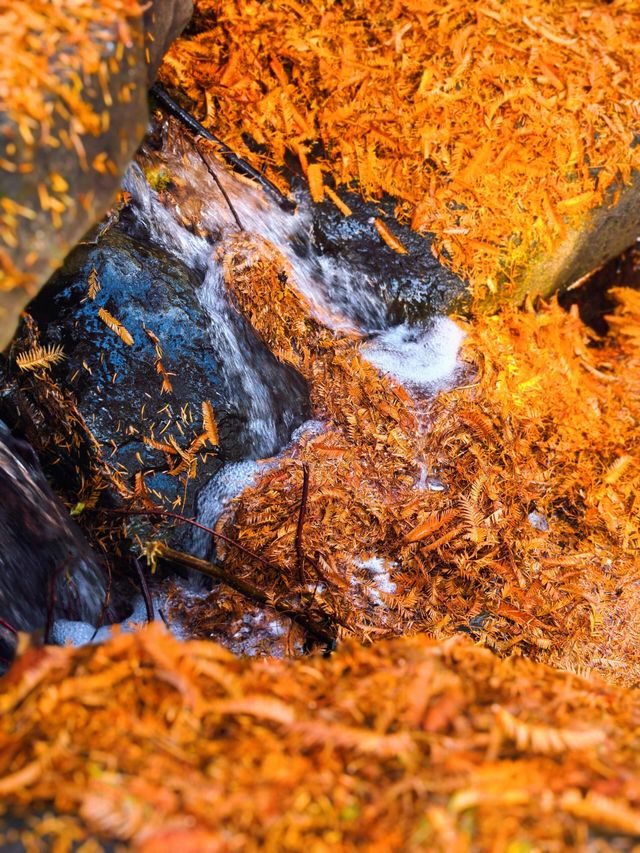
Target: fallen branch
(162, 551)
(301, 518)
(167, 103)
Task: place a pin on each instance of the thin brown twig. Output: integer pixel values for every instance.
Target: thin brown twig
(164, 513)
(9, 627)
(107, 593)
(301, 518)
(144, 586)
(52, 579)
(218, 184)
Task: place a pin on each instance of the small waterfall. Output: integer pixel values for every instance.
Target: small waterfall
(423, 358)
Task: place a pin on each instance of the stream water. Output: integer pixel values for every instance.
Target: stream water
(424, 358)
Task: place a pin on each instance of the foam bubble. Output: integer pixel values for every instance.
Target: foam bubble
(379, 570)
(423, 357)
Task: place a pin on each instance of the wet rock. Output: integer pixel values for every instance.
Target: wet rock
(415, 286)
(118, 386)
(64, 146)
(607, 231)
(412, 286)
(47, 570)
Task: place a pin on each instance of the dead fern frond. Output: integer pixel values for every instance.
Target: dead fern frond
(198, 443)
(155, 340)
(471, 514)
(93, 284)
(166, 382)
(115, 326)
(433, 522)
(546, 740)
(209, 422)
(40, 358)
(617, 469)
(444, 539)
(314, 177)
(141, 492)
(477, 489)
(478, 423)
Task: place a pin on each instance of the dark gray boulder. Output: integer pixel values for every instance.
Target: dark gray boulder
(117, 386)
(47, 570)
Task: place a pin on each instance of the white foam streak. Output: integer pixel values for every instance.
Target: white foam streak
(230, 481)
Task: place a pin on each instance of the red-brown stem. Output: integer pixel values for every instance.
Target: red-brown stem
(6, 625)
(301, 518)
(144, 586)
(165, 513)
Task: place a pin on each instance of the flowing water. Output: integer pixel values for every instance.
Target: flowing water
(342, 298)
(423, 358)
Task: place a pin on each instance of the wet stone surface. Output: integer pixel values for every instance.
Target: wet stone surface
(413, 286)
(118, 387)
(47, 570)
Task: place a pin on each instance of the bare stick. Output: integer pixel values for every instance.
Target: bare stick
(146, 594)
(164, 513)
(168, 104)
(301, 518)
(219, 185)
(244, 588)
(107, 596)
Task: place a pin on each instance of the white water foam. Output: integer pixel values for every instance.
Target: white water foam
(426, 358)
(379, 571)
(67, 632)
(231, 480)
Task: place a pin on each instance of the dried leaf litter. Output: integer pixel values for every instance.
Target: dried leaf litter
(407, 744)
(529, 545)
(497, 126)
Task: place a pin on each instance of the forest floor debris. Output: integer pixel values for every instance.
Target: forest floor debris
(498, 126)
(530, 540)
(530, 547)
(408, 744)
(505, 508)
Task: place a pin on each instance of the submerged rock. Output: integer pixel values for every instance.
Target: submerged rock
(413, 286)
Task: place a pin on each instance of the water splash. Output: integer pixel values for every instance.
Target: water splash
(231, 480)
(67, 632)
